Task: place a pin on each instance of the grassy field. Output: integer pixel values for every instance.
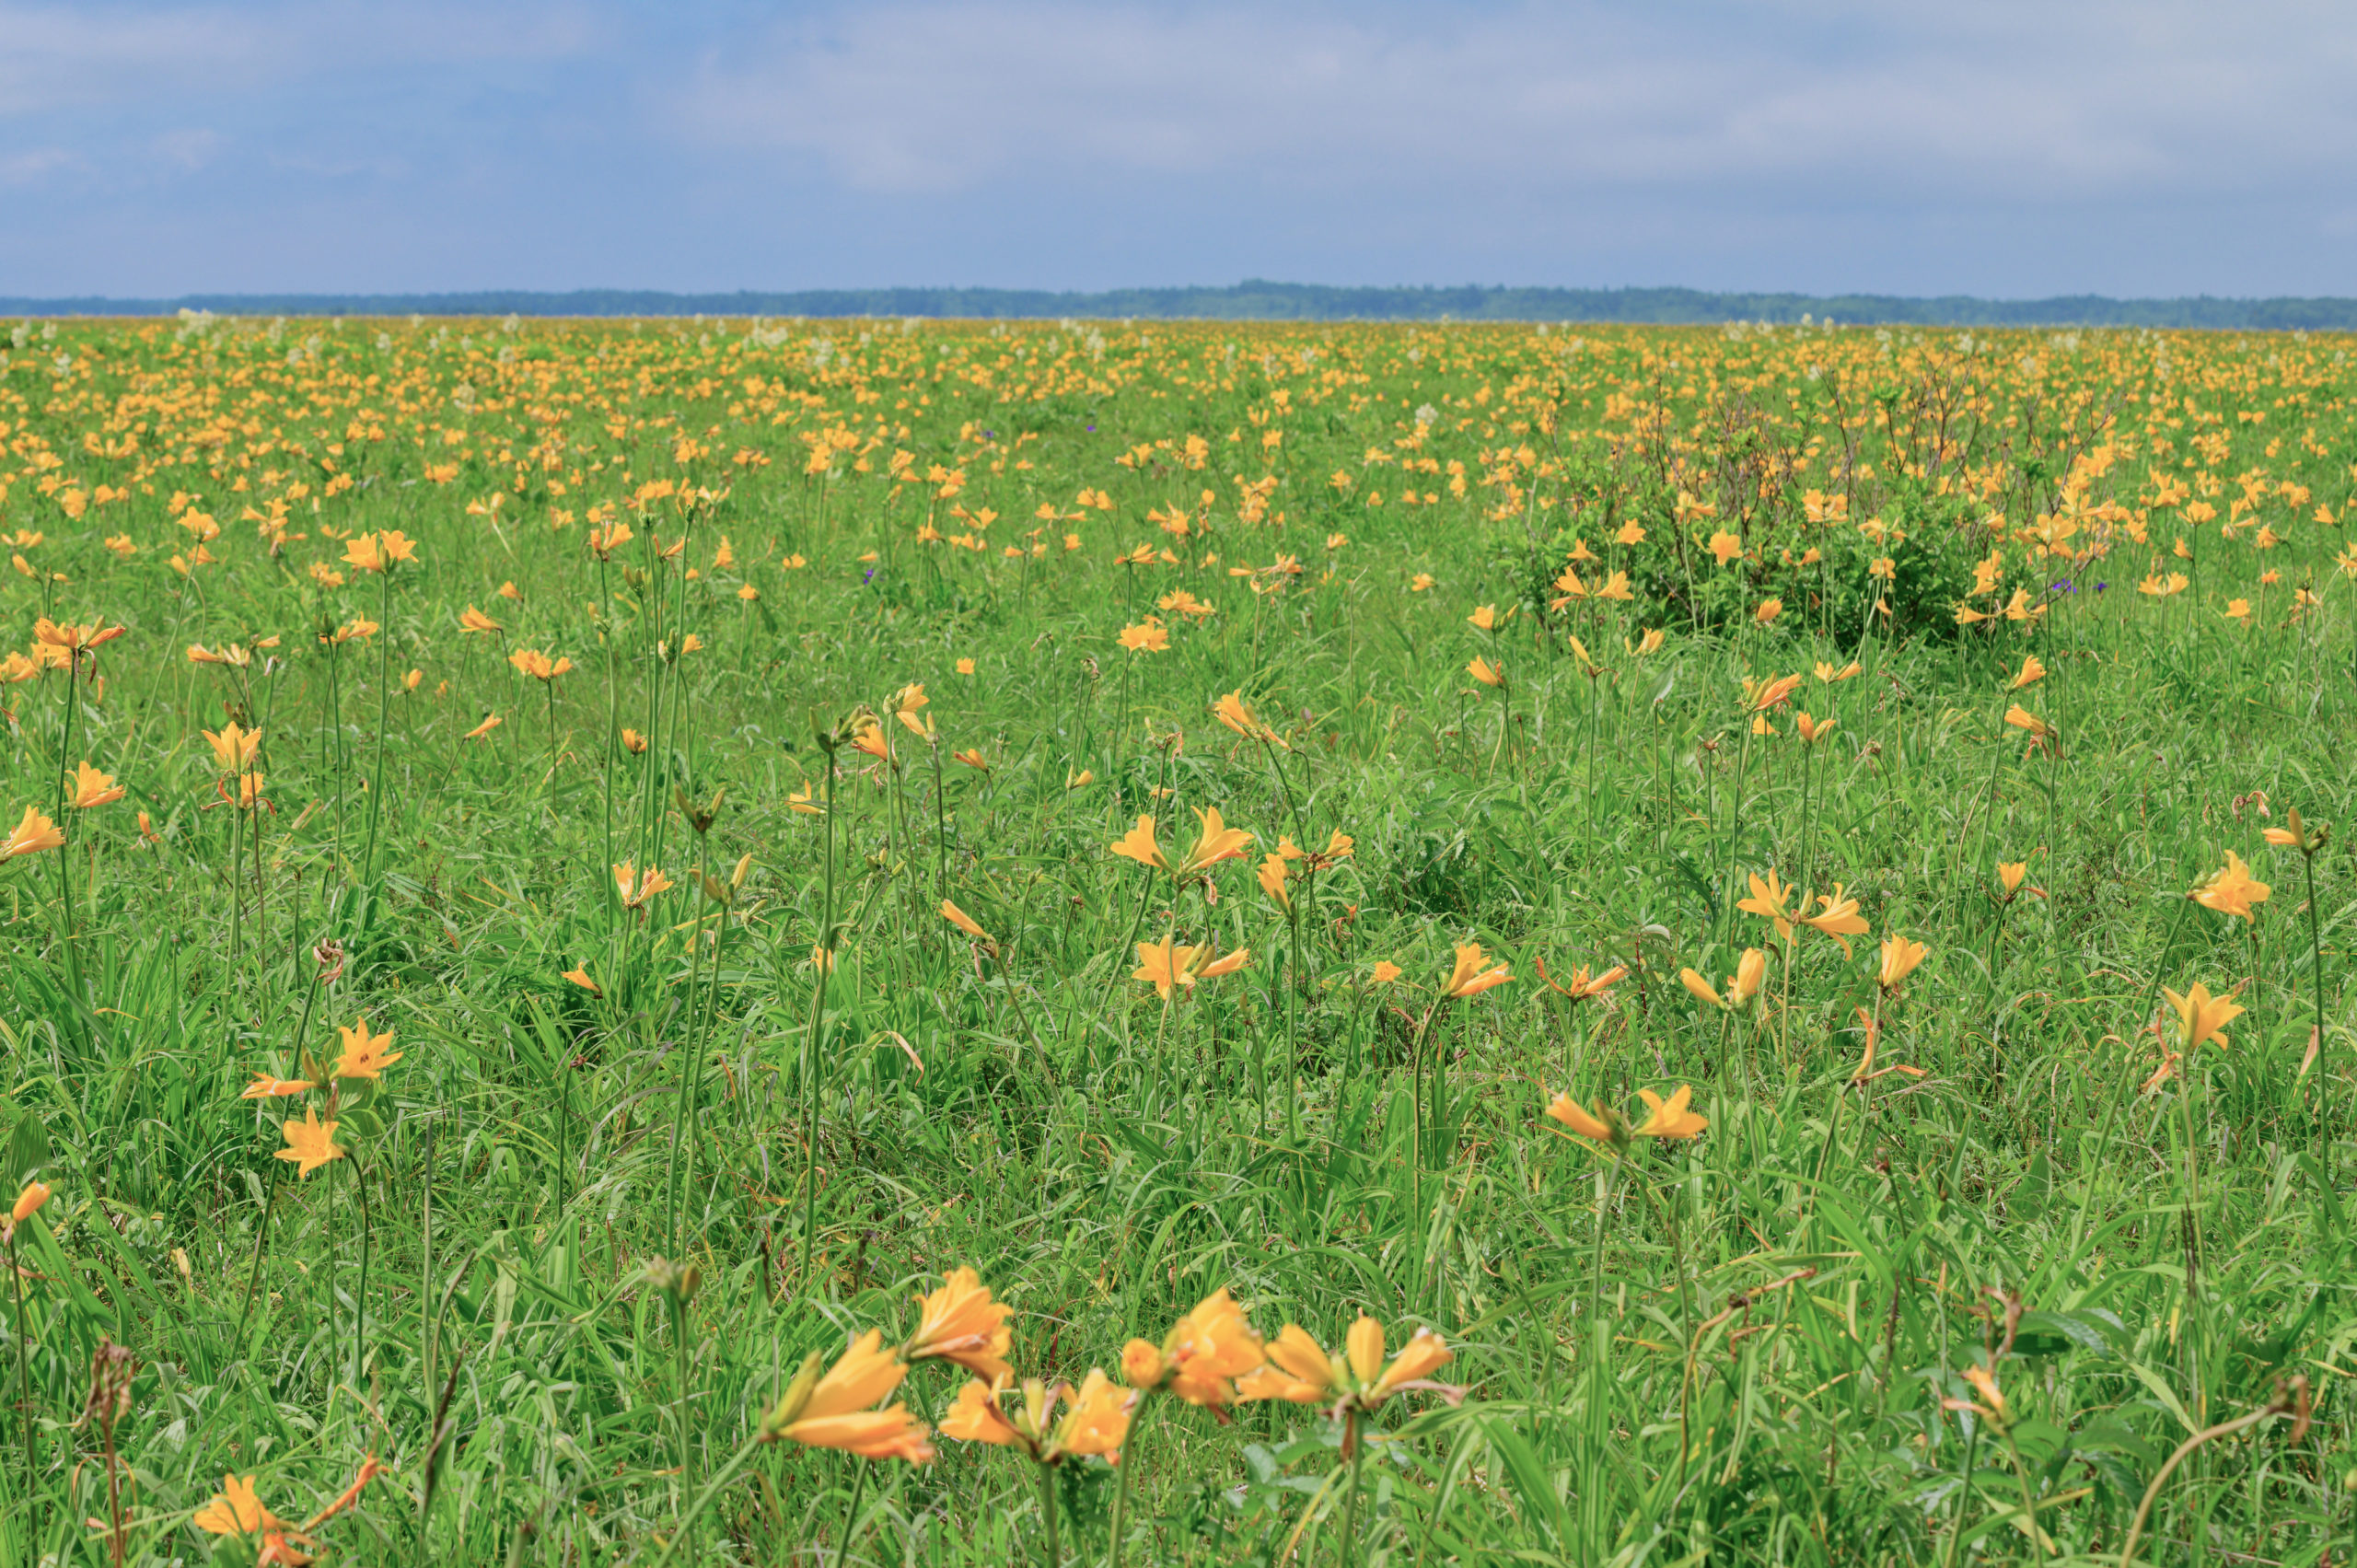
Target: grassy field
(696, 832)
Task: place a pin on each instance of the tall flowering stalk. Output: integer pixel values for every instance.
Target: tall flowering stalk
(379, 552)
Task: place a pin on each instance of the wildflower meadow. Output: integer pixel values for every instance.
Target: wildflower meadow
(1097, 942)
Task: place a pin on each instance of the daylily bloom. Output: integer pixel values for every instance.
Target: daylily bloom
(310, 1142)
(637, 888)
(2232, 891)
(537, 664)
(1580, 986)
(1386, 971)
(2032, 672)
(1760, 696)
(1197, 1361)
(1485, 672)
(1272, 880)
(71, 639)
(1838, 919)
(831, 1410)
(1814, 730)
(1670, 1118)
(2201, 1016)
(1141, 846)
(264, 1087)
(1232, 711)
(1485, 618)
(490, 723)
(960, 1323)
(475, 621)
(1147, 636)
(1473, 974)
(1302, 1372)
(962, 920)
(1899, 956)
(236, 1509)
(234, 749)
(580, 977)
(1096, 1420)
(33, 834)
(365, 1055)
(1597, 1126)
(28, 1201)
(1215, 843)
(2040, 732)
(1767, 902)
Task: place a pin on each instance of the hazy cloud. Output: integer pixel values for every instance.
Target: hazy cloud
(2001, 146)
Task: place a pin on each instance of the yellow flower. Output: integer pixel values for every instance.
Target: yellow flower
(1386, 971)
(537, 664)
(34, 833)
(2023, 719)
(1760, 696)
(1596, 1126)
(2232, 891)
(1424, 1353)
(960, 1323)
(1166, 965)
(1725, 547)
(1768, 609)
(474, 621)
(1232, 711)
(1147, 636)
(1813, 730)
(1300, 1371)
(2010, 874)
(580, 977)
(1215, 841)
(831, 1410)
(234, 749)
(2031, 673)
(364, 1054)
(28, 1201)
(236, 1509)
(310, 1142)
(92, 787)
(962, 920)
(1096, 1420)
(637, 889)
(1768, 901)
(1485, 672)
(2200, 1015)
(1141, 846)
(1203, 1353)
(1473, 974)
(1581, 987)
(1272, 880)
(1838, 919)
(1670, 1118)
(1704, 990)
(1899, 956)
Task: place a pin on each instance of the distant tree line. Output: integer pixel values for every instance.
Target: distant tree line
(1259, 300)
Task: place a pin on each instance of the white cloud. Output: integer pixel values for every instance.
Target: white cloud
(2048, 101)
(189, 148)
(35, 165)
(64, 57)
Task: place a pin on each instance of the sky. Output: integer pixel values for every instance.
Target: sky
(2007, 149)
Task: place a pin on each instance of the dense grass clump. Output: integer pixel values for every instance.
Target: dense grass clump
(1748, 930)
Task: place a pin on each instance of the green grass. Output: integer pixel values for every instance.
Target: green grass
(1736, 1348)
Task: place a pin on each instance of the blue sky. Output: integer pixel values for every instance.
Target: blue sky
(2005, 148)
